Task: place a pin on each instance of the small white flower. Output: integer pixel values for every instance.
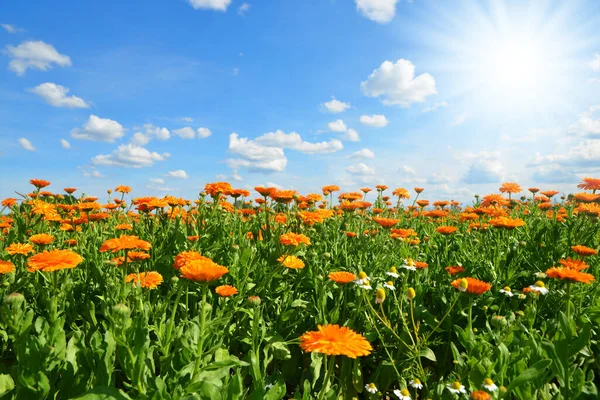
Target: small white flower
(540, 275)
(362, 279)
(456, 388)
(402, 394)
(506, 291)
(393, 272)
(371, 388)
(539, 287)
(365, 286)
(416, 383)
(490, 385)
(389, 285)
(409, 264)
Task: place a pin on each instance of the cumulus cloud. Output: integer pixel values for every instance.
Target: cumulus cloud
(434, 107)
(185, 133)
(380, 11)
(130, 156)
(438, 178)
(360, 169)
(364, 153)
(12, 28)
(405, 169)
(139, 139)
(375, 120)
(335, 106)
(26, 144)
(397, 84)
(351, 135)
(157, 132)
(35, 55)
(217, 5)
(554, 174)
(255, 156)
(243, 9)
(595, 63)
(584, 155)
(203, 132)
(65, 144)
(485, 170)
(179, 174)
(587, 124)
(89, 171)
(337, 126)
(459, 119)
(294, 141)
(99, 130)
(57, 96)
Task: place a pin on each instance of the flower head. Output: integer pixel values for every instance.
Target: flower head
(455, 269)
(293, 239)
(456, 387)
(204, 270)
(226, 290)
(409, 264)
(291, 262)
(446, 230)
(489, 385)
(149, 280)
(416, 383)
(380, 296)
(19, 248)
(6, 267)
(584, 251)
(334, 340)
(41, 239)
(569, 274)
(403, 394)
(124, 242)
(538, 288)
(577, 265)
(342, 277)
(471, 285)
(480, 395)
(389, 285)
(371, 388)
(53, 260)
(506, 291)
(393, 272)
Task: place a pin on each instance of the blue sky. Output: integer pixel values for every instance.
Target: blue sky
(455, 96)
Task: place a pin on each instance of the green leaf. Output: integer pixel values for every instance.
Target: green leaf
(535, 371)
(6, 384)
(428, 354)
(357, 378)
(582, 340)
(103, 393)
(277, 392)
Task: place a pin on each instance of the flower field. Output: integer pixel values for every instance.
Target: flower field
(279, 295)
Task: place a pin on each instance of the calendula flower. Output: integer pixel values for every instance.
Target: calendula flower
(506, 291)
(393, 272)
(455, 269)
(6, 267)
(489, 385)
(291, 262)
(409, 264)
(416, 383)
(569, 274)
(124, 242)
(54, 260)
(342, 277)
(334, 340)
(149, 280)
(389, 285)
(584, 251)
(446, 230)
(471, 285)
(41, 239)
(294, 239)
(456, 387)
(204, 270)
(371, 388)
(574, 264)
(19, 248)
(480, 395)
(226, 290)
(39, 183)
(403, 394)
(539, 287)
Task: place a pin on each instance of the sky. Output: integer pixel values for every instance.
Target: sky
(456, 96)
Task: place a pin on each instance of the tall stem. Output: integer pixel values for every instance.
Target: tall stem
(201, 338)
(327, 378)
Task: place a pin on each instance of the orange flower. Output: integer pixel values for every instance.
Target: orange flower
(204, 270)
(334, 340)
(342, 277)
(365, 190)
(510, 187)
(54, 260)
(475, 286)
(590, 184)
(494, 199)
(185, 257)
(266, 192)
(41, 239)
(418, 189)
(584, 251)
(507, 222)
(422, 203)
(386, 222)
(123, 227)
(39, 183)
(19, 248)
(71, 242)
(226, 290)
(6, 267)
(350, 234)
(420, 264)
(480, 395)
(150, 280)
(70, 190)
(330, 188)
(446, 230)
(124, 242)
(291, 262)
(293, 239)
(577, 265)
(283, 196)
(534, 190)
(549, 193)
(401, 193)
(586, 197)
(193, 238)
(9, 202)
(123, 189)
(570, 275)
(381, 188)
(455, 269)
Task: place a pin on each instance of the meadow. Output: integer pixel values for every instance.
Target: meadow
(278, 295)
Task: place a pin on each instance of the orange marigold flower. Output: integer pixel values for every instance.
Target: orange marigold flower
(124, 242)
(549, 193)
(584, 251)
(420, 264)
(217, 188)
(291, 262)
(446, 230)
(422, 203)
(494, 199)
(586, 197)
(330, 188)
(193, 238)
(480, 395)
(9, 202)
(365, 190)
(185, 257)
(342, 277)
(19, 248)
(401, 193)
(53, 260)
(41, 239)
(71, 242)
(350, 234)
(452, 270)
(226, 290)
(418, 189)
(569, 274)
(70, 190)
(334, 340)
(510, 187)
(386, 222)
(475, 286)
(39, 183)
(149, 280)
(577, 265)
(293, 239)
(590, 184)
(507, 222)
(204, 270)
(6, 267)
(381, 188)
(123, 189)
(123, 227)
(284, 196)
(265, 191)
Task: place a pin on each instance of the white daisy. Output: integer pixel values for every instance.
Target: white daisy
(362, 279)
(456, 388)
(409, 264)
(539, 287)
(393, 272)
(490, 385)
(506, 291)
(416, 383)
(389, 285)
(371, 388)
(403, 394)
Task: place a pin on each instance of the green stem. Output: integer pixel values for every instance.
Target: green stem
(326, 380)
(201, 338)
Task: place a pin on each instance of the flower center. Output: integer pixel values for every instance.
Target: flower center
(362, 275)
(456, 385)
(540, 284)
(488, 382)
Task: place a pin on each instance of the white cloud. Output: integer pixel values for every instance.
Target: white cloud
(130, 156)
(351, 135)
(397, 84)
(158, 132)
(594, 80)
(459, 119)
(187, 119)
(485, 170)
(380, 11)
(65, 144)
(218, 5)
(586, 125)
(584, 155)
(438, 179)
(243, 8)
(185, 133)
(89, 171)
(35, 55)
(139, 139)
(158, 181)
(12, 28)
(99, 130)
(255, 156)
(335, 106)
(436, 106)
(554, 174)
(179, 174)
(405, 169)
(56, 95)
(203, 132)
(294, 141)
(375, 120)
(364, 153)
(157, 184)
(360, 169)
(26, 144)
(595, 63)
(236, 71)
(337, 126)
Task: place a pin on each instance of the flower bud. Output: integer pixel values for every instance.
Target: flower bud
(254, 300)
(14, 299)
(174, 280)
(411, 294)
(122, 310)
(380, 296)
